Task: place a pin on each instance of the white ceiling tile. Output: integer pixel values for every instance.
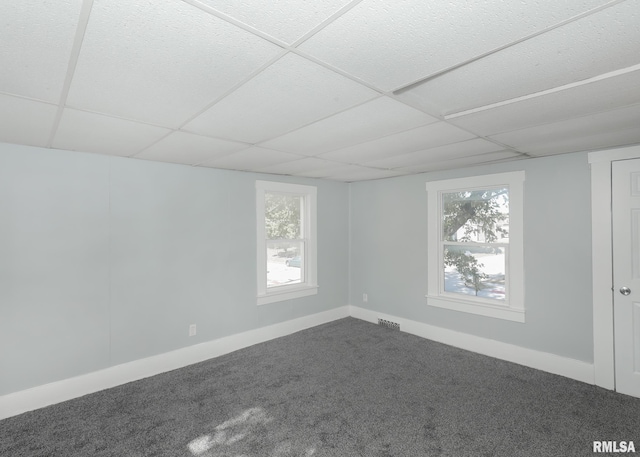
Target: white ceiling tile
(162, 61)
(37, 37)
(290, 93)
(345, 172)
(370, 120)
(285, 20)
(417, 139)
(589, 98)
(446, 152)
(188, 148)
(25, 121)
(306, 164)
(491, 157)
(390, 44)
(327, 170)
(146, 68)
(592, 141)
(581, 133)
(603, 42)
(251, 159)
(90, 132)
(363, 174)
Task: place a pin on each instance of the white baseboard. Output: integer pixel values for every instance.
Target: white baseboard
(37, 397)
(551, 363)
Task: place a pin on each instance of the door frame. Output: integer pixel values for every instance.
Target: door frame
(602, 261)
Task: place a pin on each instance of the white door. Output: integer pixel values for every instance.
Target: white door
(626, 274)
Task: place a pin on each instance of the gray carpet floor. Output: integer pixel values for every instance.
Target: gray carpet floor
(347, 388)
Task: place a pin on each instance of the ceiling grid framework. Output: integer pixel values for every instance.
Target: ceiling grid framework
(344, 90)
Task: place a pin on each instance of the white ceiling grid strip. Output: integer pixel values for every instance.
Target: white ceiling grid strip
(378, 33)
(91, 132)
(573, 134)
(417, 139)
(362, 173)
(618, 89)
(161, 64)
(566, 55)
(251, 159)
(467, 148)
(25, 121)
(415, 84)
(189, 149)
(488, 158)
(336, 89)
(37, 39)
(293, 48)
(296, 167)
(367, 121)
(81, 29)
(590, 141)
(290, 93)
(287, 21)
(553, 90)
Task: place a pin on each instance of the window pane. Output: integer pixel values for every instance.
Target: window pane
(282, 216)
(475, 270)
(480, 216)
(285, 263)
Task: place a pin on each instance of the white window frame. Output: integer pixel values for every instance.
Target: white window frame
(309, 284)
(513, 307)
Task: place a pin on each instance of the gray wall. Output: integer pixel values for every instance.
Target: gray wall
(389, 255)
(105, 260)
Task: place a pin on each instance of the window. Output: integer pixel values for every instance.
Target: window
(475, 245)
(286, 227)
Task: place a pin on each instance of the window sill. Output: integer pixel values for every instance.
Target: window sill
(291, 292)
(482, 309)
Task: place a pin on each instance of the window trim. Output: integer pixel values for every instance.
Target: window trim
(513, 309)
(310, 285)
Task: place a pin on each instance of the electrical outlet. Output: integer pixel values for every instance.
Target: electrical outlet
(192, 330)
(365, 298)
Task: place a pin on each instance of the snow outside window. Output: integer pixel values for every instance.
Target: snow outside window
(286, 228)
(475, 245)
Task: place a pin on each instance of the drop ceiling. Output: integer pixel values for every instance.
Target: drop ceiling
(334, 89)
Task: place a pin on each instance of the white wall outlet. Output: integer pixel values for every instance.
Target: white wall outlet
(192, 330)
(365, 298)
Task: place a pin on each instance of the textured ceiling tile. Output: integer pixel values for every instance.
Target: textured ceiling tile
(290, 93)
(449, 151)
(36, 39)
(336, 170)
(307, 164)
(161, 61)
(187, 148)
(373, 119)
(363, 174)
(601, 43)
(589, 98)
(251, 159)
(425, 137)
(491, 157)
(390, 44)
(25, 121)
(90, 132)
(581, 133)
(325, 171)
(588, 142)
(285, 20)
